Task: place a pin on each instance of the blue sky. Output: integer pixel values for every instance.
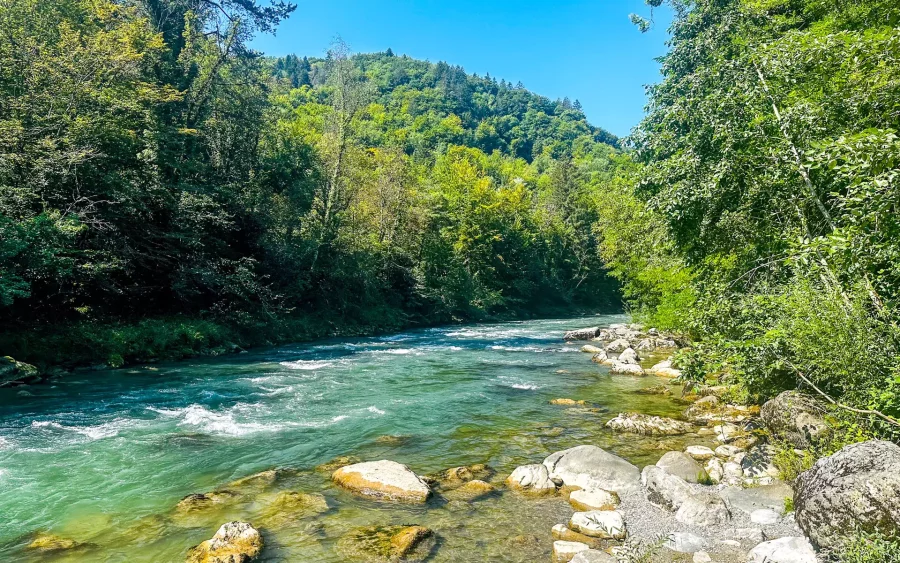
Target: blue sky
(586, 50)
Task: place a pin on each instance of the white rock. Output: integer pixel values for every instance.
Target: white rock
(565, 551)
(604, 524)
(588, 349)
(619, 368)
(733, 474)
(682, 465)
(593, 556)
(664, 489)
(685, 542)
(700, 453)
(715, 470)
(533, 479)
(593, 499)
(751, 534)
(702, 557)
(727, 451)
(701, 510)
(784, 550)
(727, 432)
(387, 480)
(764, 516)
(618, 345)
(629, 356)
(590, 467)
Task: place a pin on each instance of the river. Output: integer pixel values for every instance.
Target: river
(104, 457)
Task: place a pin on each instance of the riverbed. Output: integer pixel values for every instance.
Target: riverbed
(104, 457)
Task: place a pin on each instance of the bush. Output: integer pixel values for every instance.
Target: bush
(868, 547)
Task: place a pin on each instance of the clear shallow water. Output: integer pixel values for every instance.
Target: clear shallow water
(103, 458)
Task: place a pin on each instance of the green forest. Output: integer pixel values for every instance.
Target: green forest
(166, 190)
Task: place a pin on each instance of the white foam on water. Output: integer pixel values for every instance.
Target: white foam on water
(221, 423)
(5, 444)
(398, 352)
(525, 386)
(374, 409)
(340, 418)
(307, 364)
(97, 432)
(517, 348)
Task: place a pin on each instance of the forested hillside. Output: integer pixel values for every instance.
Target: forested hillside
(769, 165)
(164, 189)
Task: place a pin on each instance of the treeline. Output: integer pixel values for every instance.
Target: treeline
(766, 185)
(164, 189)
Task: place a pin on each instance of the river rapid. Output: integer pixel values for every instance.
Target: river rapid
(104, 457)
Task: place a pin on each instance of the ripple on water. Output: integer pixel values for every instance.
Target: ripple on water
(306, 365)
(96, 432)
(222, 423)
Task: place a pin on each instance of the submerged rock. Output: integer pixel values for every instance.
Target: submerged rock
(290, 506)
(648, 425)
(562, 532)
(795, 417)
(471, 490)
(383, 480)
(590, 467)
(234, 542)
(457, 476)
(392, 440)
(46, 542)
(337, 463)
(205, 501)
(531, 479)
(568, 402)
(859, 486)
(388, 543)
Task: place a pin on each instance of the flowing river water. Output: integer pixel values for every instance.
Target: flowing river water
(104, 457)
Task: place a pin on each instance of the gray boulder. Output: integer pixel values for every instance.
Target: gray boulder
(752, 499)
(647, 425)
(629, 356)
(758, 463)
(784, 550)
(664, 489)
(590, 467)
(682, 465)
(703, 510)
(582, 333)
(14, 373)
(685, 542)
(593, 556)
(618, 346)
(796, 417)
(857, 486)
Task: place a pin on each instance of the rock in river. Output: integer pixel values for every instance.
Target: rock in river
(620, 368)
(649, 425)
(618, 346)
(235, 542)
(796, 417)
(204, 501)
(531, 479)
(386, 480)
(593, 499)
(590, 467)
(603, 524)
(859, 486)
(565, 551)
(46, 543)
(684, 466)
(629, 356)
(388, 543)
(582, 333)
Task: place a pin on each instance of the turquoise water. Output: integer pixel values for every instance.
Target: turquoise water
(104, 457)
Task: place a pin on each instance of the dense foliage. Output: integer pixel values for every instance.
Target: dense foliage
(771, 161)
(162, 183)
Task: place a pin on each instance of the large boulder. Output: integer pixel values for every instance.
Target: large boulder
(590, 467)
(234, 542)
(14, 373)
(582, 333)
(593, 499)
(749, 500)
(603, 524)
(384, 480)
(784, 550)
(648, 425)
(759, 463)
(795, 417)
(682, 465)
(621, 368)
(618, 346)
(531, 479)
(703, 510)
(859, 486)
(629, 356)
(664, 489)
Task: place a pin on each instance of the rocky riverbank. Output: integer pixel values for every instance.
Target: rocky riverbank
(711, 492)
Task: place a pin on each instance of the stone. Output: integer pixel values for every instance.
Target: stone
(588, 349)
(770, 497)
(618, 346)
(784, 550)
(46, 543)
(593, 556)
(859, 486)
(684, 466)
(531, 479)
(234, 542)
(700, 453)
(259, 480)
(563, 533)
(715, 470)
(383, 480)
(457, 476)
(664, 369)
(727, 432)
(795, 417)
(629, 356)
(603, 524)
(204, 501)
(593, 499)
(290, 506)
(13, 373)
(727, 451)
(733, 473)
(648, 425)
(568, 402)
(601, 358)
(664, 489)
(646, 345)
(618, 368)
(590, 467)
(337, 463)
(565, 551)
(758, 463)
(703, 510)
(701, 557)
(582, 333)
(685, 542)
(471, 490)
(392, 440)
(754, 535)
(654, 390)
(388, 543)
(764, 516)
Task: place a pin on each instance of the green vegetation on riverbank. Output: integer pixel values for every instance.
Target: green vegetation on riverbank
(166, 190)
